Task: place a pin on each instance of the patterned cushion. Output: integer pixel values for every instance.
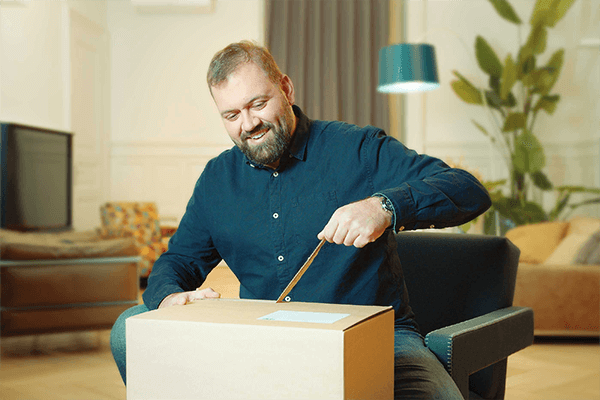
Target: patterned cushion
(137, 220)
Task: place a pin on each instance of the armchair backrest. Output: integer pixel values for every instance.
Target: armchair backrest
(455, 277)
(136, 219)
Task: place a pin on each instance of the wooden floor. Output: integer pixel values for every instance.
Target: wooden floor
(80, 367)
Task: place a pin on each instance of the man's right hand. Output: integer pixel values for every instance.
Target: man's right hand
(181, 298)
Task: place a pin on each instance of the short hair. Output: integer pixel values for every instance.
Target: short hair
(225, 62)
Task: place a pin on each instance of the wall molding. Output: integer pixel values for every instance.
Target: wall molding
(162, 172)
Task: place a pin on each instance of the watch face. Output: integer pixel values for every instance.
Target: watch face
(386, 204)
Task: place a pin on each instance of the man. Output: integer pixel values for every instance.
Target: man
(288, 182)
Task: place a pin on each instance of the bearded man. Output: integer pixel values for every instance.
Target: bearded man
(290, 181)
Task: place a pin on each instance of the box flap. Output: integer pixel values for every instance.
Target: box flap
(267, 313)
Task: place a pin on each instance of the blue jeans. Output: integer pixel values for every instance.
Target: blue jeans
(418, 374)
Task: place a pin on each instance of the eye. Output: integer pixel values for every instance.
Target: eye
(231, 117)
(259, 105)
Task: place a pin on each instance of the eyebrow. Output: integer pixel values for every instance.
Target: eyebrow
(252, 100)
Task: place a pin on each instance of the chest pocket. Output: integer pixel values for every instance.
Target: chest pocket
(310, 214)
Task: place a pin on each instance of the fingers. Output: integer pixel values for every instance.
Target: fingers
(356, 224)
(346, 234)
(207, 293)
(183, 298)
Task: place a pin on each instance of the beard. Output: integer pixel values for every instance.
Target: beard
(274, 146)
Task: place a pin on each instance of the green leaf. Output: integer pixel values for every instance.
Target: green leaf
(487, 58)
(529, 154)
(541, 181)
(509, 77)
(514, 121)
(466, 93)
(494, 82)
(547, 103)
(536, 42)
(559, 207)
(466, 90)
(585, 203)
(525, 66)
(549, 12)
(483, 130)
(493, 99)
(540, 12)
(540, 81)
(492, 185)
(520, 213)
(506, 11)
(532, 213)
(511, 101)
(558, 11)
(554, 67)
(577, 189)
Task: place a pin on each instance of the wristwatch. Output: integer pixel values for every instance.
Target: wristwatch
(386, 204)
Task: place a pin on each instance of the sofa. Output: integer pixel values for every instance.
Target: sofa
(69, 281)
(559, 275)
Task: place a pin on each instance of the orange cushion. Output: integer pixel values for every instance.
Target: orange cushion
(537, 241)
(583, 225)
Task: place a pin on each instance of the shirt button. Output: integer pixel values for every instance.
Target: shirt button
(287, 298)
(275, 174)
(275, 215)
(280, 258)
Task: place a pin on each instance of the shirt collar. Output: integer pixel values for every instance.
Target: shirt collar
(297, 147)
(299, 140)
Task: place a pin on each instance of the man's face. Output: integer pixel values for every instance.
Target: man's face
(257, 113)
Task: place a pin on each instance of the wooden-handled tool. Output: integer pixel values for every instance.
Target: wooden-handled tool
(300, 272)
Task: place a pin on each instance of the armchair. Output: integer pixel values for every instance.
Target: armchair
(137, 220)
(461, 290)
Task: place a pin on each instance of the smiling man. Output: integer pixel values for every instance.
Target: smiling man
(290, 181)
(257, 113)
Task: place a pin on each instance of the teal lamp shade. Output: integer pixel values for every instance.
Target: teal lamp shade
(407, 68)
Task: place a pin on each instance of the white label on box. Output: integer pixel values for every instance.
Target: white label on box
(304, 316)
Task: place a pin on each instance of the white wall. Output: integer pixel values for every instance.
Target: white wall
(31, 65)
(164, 125)
(439, 122)
(34, 60)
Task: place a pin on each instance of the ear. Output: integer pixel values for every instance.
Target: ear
(287, 87)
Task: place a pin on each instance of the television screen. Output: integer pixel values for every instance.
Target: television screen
(36, 166)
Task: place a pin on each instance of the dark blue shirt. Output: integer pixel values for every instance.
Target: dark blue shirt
(264, 223)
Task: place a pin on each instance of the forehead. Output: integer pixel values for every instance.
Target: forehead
(245, 83)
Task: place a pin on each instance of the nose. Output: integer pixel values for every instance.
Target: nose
(249, 121)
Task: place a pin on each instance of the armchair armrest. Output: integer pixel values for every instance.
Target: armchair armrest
(472, 345)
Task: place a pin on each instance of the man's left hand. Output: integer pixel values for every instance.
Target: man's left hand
(357, 224)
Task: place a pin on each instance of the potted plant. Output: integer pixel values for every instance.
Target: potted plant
(520, 89)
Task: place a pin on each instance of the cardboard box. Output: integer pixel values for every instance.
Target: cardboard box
(246, 349)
